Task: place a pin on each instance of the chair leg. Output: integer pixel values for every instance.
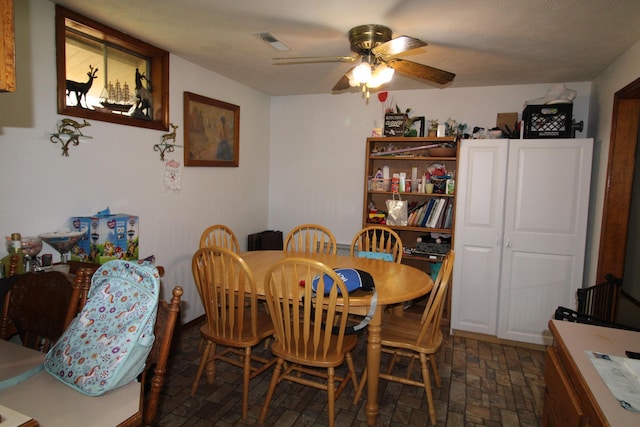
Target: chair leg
(360, 388)
(434, 368)
(392, 363)
(331, 391)
(211, 364)
(427, 387)
(272, 386)
(352, 369)
(203, 362)
(245, 381)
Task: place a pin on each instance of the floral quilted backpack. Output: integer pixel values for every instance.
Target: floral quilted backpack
(108, 342)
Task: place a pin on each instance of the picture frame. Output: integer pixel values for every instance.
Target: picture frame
(211, 132)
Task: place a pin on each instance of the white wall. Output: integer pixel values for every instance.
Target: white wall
(118, 167)
(301, 157)
(616, 76)
(317, 145)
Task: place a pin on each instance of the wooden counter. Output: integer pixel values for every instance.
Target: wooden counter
(575, 394)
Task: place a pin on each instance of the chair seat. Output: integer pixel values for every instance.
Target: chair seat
(403, 332)
(246, 339)
(333, 357)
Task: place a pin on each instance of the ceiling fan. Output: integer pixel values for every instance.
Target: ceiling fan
(377, 51)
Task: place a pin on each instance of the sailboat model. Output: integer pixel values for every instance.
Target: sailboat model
(116, 98)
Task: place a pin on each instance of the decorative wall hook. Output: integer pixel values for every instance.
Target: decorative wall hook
(69, 133)
(165, 146)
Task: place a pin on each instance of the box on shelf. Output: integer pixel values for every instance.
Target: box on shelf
(108, 237)
(547, 121)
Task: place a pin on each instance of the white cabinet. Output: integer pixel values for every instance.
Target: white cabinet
(521, 218)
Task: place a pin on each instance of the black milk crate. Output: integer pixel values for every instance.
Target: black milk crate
(547, 121)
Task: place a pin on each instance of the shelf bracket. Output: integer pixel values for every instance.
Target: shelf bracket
(68, 133)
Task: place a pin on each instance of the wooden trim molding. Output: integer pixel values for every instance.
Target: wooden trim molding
(7, 47)
(619, 184)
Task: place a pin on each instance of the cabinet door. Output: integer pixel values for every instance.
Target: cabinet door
(480, 191)
(546, 210)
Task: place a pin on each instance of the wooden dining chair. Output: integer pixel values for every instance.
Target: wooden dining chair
(40, 306)
(311, 238)
(376, 240)
(156, 364)
(228, 293)
(221, 236)
(307, 346)
(404, 337)
(380, 242)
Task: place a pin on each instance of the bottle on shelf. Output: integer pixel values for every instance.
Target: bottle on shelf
(16, 244)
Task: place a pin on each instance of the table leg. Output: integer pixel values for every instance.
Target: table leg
(373, 365)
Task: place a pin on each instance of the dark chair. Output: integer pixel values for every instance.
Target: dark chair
(596, 305)
(601, 300)
(40, 306)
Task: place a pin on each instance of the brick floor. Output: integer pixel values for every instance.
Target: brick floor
(483, 384)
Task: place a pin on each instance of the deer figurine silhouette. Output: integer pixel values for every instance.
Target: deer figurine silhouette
(145, 98)
(80, 89)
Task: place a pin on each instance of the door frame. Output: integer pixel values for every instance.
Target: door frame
(619, 185)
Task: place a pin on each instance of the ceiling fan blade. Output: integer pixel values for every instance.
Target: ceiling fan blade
(308, 59)
(421, 71)
(397, 46)
(343, 83)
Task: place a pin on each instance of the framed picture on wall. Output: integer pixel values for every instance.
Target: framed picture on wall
(211, 132)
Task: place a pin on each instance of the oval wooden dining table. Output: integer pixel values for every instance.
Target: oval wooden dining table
(395, 283)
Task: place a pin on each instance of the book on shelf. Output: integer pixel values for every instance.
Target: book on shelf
(429, 216)
(427, 213)
(443, 215)
(413, 214)
(440, 221)
(448, 216)
(437, 211)
(417, 214)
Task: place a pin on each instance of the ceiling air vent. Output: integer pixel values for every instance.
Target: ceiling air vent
(272, 41)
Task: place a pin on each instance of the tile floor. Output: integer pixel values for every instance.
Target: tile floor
(483, 384)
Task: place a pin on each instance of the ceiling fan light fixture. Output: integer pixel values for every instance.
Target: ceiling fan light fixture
(362, 73)
(381, 75)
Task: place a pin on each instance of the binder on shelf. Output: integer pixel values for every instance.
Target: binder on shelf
(443, 216)
(448, 216)
(427, 213)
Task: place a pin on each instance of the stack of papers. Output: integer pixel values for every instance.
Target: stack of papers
(622, 377)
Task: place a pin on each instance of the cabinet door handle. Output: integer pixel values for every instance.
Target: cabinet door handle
(508, 243)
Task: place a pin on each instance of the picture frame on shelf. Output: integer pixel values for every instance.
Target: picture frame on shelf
(211, 132)
(420, 121)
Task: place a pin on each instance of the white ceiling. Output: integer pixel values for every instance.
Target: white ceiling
(484, 42)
